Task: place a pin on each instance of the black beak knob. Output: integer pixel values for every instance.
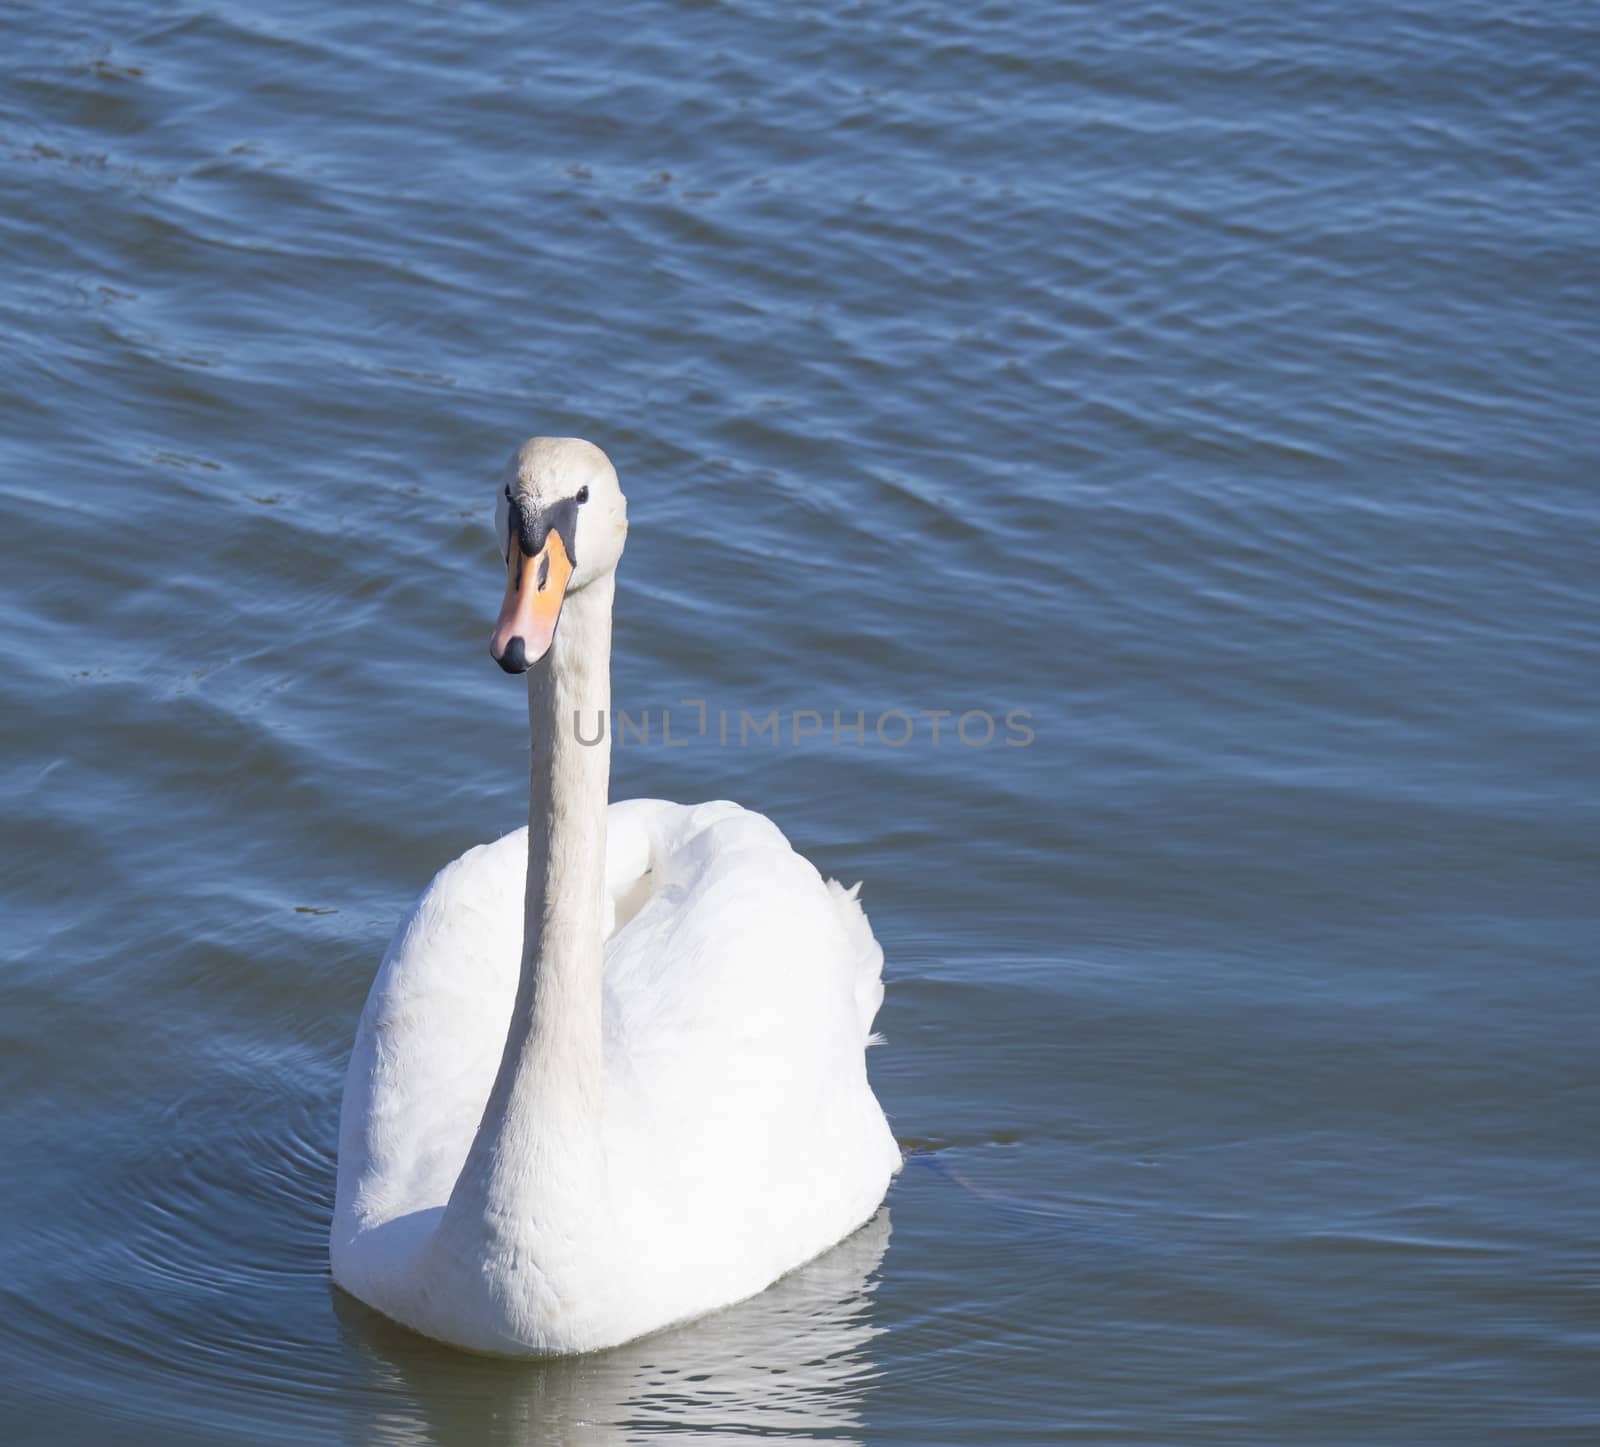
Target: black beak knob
(515, 658)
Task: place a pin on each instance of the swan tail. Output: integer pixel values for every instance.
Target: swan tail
(868, 954)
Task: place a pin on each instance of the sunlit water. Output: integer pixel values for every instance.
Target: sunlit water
(1211, 388)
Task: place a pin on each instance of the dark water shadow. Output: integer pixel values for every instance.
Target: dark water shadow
(793, 1362)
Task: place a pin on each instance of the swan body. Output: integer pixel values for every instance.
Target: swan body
(611, 1074)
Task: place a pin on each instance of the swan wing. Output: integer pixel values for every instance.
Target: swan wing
(430, 1039)
(739, 1001)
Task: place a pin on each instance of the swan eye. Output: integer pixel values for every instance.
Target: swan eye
(583, 493)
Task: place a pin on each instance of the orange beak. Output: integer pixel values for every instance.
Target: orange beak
(535, 587)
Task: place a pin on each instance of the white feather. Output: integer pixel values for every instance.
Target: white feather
(741, 1135)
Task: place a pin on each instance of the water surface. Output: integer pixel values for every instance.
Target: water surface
(1212, 385)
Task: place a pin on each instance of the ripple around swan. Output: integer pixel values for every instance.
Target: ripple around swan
(180, 1298)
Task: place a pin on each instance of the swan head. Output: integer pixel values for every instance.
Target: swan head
(561, 520)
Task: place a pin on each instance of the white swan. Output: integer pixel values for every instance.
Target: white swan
(611, 1074)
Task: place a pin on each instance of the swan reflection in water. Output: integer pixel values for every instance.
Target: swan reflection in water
(789, 1362)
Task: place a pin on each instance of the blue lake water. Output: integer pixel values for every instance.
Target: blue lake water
(1210, 388)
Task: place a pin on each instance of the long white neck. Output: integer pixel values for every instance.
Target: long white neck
(536, 1159)
(552, 1062)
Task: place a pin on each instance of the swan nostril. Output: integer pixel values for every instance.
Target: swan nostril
(515, 657)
